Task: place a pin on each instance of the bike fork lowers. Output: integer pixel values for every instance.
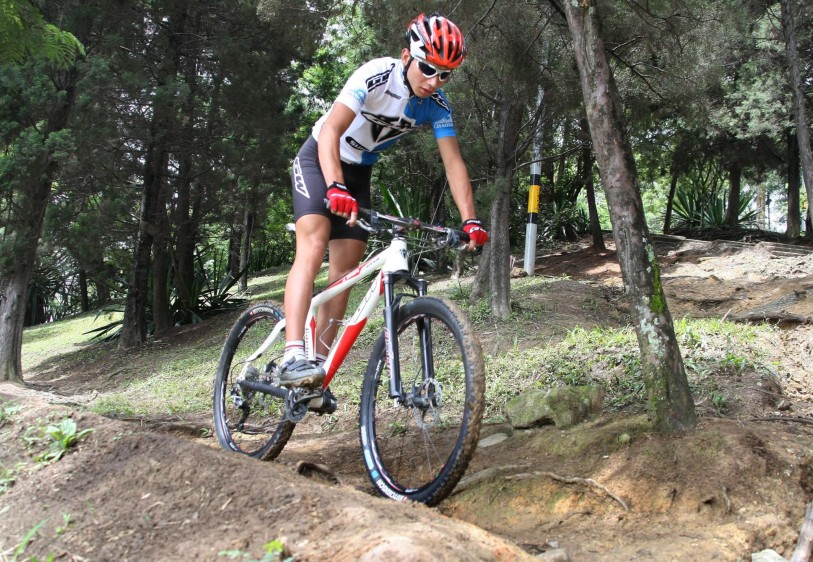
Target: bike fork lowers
(391, 306)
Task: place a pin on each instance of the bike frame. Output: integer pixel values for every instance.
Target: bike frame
(392, 266)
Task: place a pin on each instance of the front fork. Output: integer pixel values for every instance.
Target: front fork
(391, 305)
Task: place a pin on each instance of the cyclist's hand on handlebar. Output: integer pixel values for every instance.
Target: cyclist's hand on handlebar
(477, 234)
(342, 203)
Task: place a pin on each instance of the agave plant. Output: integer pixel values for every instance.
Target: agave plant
(694, 209)
(562, 220)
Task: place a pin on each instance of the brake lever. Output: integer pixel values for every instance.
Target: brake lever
(455, 239)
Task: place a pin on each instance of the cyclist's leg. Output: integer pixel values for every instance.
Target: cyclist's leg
(345, 255)
(312, 233)
(313, 226)
(346, 247)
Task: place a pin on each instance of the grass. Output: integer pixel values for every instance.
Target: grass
(529, 350)
(181, 386)
(64, 342)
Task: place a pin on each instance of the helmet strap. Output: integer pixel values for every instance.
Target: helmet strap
(406, 80)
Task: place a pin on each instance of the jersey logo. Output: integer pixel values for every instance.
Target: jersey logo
(358, 94)
(356, 144)
(299, 180)
(377, 80)
(438, 99)
(387, 128)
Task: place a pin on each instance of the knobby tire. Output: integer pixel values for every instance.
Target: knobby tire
(265, 431)
(420, 453)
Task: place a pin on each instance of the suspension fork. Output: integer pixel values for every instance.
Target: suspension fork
(391, 307)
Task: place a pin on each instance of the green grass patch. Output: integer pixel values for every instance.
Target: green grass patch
(66, 340)
(610, 358)
(182, 386)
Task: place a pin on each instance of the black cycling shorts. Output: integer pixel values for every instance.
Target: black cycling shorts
(309, 190)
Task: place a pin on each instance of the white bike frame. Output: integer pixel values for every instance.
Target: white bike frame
(390, 260)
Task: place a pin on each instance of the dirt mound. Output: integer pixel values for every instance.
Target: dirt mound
(611, 491)
(128, 494)
(606, 490)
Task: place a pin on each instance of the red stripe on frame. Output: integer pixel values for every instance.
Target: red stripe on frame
(346, 341)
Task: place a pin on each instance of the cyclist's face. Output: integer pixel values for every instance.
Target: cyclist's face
(421, 85)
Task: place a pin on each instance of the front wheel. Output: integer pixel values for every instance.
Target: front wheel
(247, 421)
(418, 449)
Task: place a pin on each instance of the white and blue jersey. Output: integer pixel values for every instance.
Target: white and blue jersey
(377, 92)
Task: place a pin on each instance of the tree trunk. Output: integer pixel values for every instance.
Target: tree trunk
(134, 331)
(802, 130)
(794, 223)
(83, 290)
(186, 229)
(13, 286)
(245, 247)
(590, 190)
(499, 272)
(160, 269)
(667, 219)
(669, 399)
(595, 225)
(734, 191)
(24, 227)
(496, 280)
(186, 216)
(235, 243)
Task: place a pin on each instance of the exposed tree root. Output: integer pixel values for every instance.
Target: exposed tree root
(806, 421)
(571, 480)
(497, 471)
(487, 474)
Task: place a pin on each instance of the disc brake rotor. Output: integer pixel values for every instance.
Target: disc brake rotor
(428, 416)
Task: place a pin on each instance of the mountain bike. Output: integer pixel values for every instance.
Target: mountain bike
(422, 396)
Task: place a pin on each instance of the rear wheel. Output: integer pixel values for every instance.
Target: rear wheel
(246, 421)
(419, 449)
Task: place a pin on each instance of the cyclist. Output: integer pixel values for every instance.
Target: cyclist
(383, 100)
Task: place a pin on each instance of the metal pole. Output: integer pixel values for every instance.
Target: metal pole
(533, 213)
(533, 199)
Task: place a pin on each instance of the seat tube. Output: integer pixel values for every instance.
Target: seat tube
(391, 337)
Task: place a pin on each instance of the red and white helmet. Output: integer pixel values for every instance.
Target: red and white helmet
(436, 40)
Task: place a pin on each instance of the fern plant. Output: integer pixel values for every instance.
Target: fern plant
(25, 35)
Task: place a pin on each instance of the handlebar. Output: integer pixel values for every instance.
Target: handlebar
(452, 237)
(404, 224)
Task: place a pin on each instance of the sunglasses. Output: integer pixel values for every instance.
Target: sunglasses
(430, 71)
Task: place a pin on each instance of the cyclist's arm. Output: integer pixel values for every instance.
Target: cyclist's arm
(338, 121)
(458, 176)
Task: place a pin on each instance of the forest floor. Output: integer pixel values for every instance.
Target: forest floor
(609, 489)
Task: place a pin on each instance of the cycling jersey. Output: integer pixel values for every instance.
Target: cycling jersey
(377, 92)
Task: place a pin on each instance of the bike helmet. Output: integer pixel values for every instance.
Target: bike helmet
(436, 40)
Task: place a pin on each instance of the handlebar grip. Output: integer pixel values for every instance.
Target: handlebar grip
(458, 238)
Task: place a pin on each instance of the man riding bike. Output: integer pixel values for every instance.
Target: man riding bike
(383, 100)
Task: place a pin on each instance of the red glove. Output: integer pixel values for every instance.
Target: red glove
(341, 202)
(474, 228)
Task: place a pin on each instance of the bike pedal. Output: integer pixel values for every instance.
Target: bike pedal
(324, 404)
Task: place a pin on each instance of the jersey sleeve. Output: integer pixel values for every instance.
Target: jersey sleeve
(442, 122)
(363, 83)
